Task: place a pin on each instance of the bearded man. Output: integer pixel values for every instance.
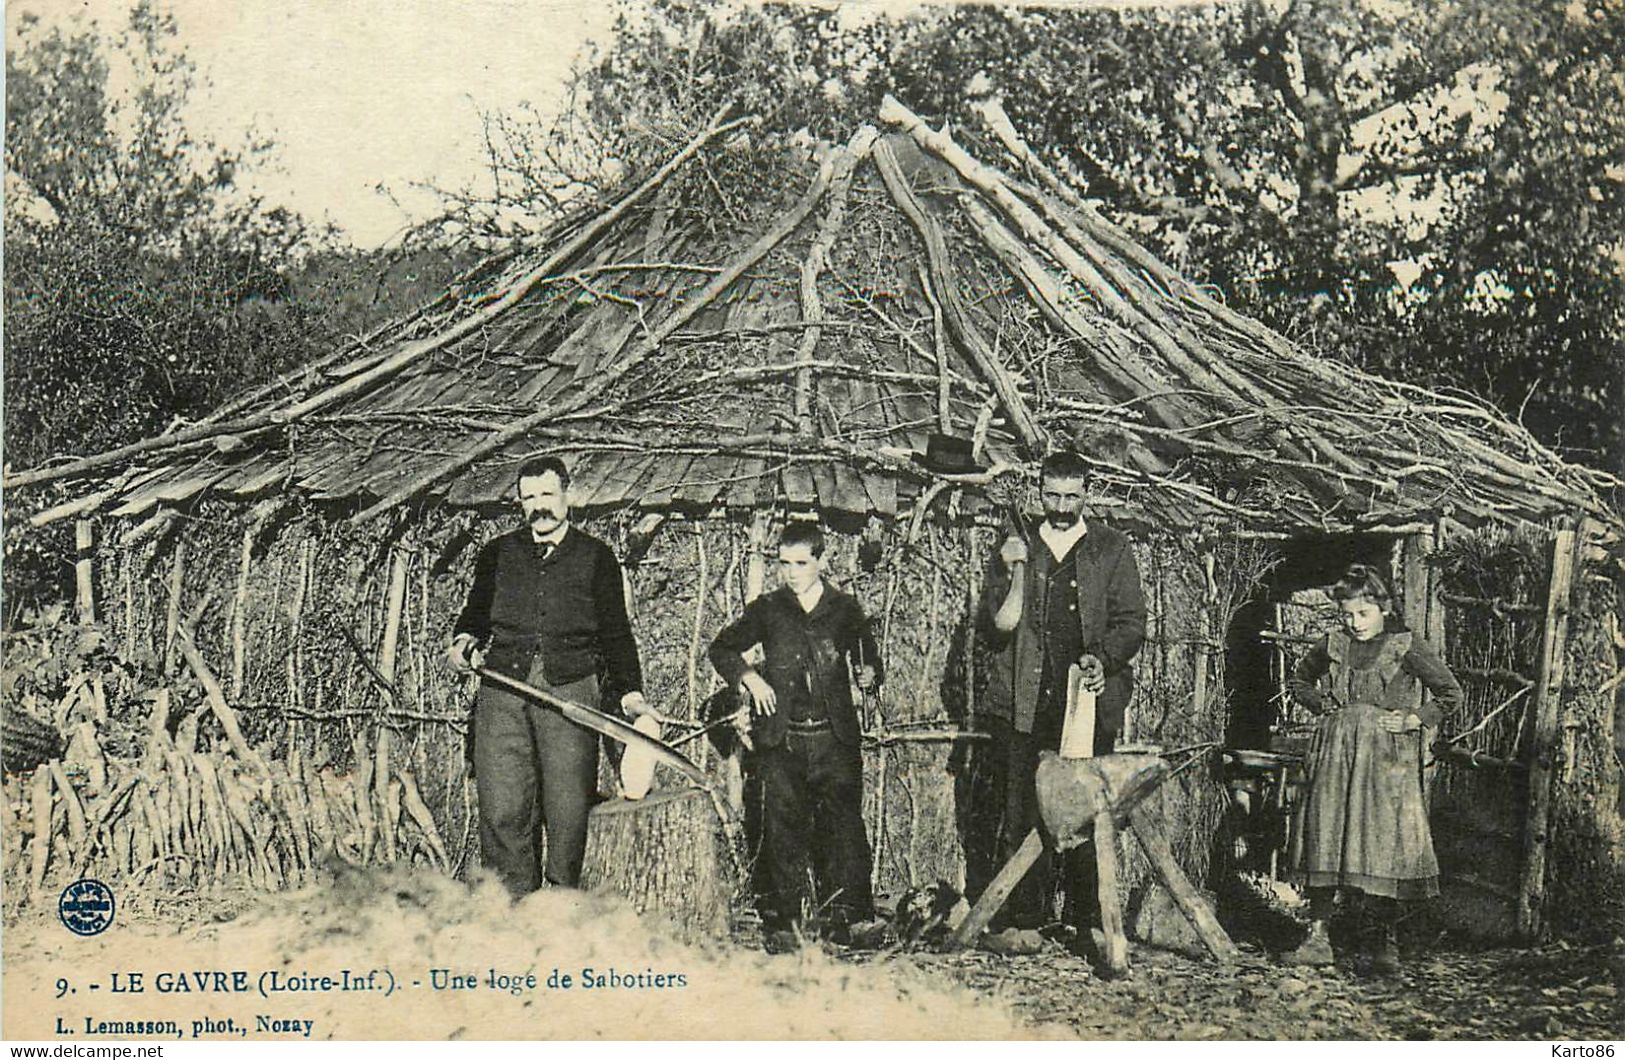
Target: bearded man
(1066, 594)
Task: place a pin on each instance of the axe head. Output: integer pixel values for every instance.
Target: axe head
(1072, 791)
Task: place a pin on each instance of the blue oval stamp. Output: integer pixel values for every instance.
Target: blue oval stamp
(86, 907)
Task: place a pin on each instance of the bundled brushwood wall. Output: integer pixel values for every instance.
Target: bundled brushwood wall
(1531, 621)
(296, 617)
(1585, 877)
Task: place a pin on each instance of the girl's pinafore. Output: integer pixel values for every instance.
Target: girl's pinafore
(1362, 821)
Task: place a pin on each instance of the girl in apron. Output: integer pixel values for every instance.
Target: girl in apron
(1362, 823)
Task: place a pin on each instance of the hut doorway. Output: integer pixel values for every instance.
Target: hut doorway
(1272, 629)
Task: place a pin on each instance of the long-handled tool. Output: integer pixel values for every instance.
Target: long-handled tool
(603, 724)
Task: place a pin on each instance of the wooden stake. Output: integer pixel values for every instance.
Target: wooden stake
(40, 799)
(1544, 735)
(172, 613)
(127, 577)
(216, 699)
(84, 546)
(239, 647)
(387, 654)
(389, 650)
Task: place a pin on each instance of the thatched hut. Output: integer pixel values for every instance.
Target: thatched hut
(750, 334)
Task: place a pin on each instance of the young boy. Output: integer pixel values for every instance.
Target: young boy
(815, 639)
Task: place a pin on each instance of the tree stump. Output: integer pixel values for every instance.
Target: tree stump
(667, 855)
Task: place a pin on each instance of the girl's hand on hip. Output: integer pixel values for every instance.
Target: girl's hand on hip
(1392, 721)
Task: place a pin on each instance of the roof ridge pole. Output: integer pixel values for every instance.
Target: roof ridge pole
(651, 342)
(408, 354)
(1132, 374)
(846, 160)
(981, 177)
(941, 269)
(992, 113)
(1179, 349)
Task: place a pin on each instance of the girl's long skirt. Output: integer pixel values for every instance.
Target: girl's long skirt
(1362, 821)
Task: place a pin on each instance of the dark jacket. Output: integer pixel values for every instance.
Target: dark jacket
(805, 659)
(1111, 613)
(569, 607)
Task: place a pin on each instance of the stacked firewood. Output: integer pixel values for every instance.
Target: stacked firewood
(184, 815)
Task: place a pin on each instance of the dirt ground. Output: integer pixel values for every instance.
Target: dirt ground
(409, 926)
(1553, 993)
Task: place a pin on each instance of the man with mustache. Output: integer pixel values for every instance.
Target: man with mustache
(1068, 593)
(548, 606)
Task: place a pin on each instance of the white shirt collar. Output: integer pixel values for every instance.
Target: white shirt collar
(1060, 542)
(809, 599)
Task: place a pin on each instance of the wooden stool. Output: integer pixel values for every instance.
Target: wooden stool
(1084, 800)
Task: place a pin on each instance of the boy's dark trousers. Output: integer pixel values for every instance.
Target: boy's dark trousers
(532, 766)
(812, 817)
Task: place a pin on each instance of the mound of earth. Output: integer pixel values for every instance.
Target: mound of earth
(468, 964)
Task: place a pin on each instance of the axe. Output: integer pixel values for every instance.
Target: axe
(601, 723)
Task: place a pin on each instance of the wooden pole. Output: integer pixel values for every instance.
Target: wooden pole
(702, 561)
(84, 564)
(387, 654)
(1544, 734)
(172, 612)
(239, 647)
(84, 547)
(939, 334)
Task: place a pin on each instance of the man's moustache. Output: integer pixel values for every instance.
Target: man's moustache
(1061, 520)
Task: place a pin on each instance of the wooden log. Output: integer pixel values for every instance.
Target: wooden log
(1115, 950)
(999, 890)
(1184, 893)
(666, 854)
(1544, 734)
(1073, 791)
